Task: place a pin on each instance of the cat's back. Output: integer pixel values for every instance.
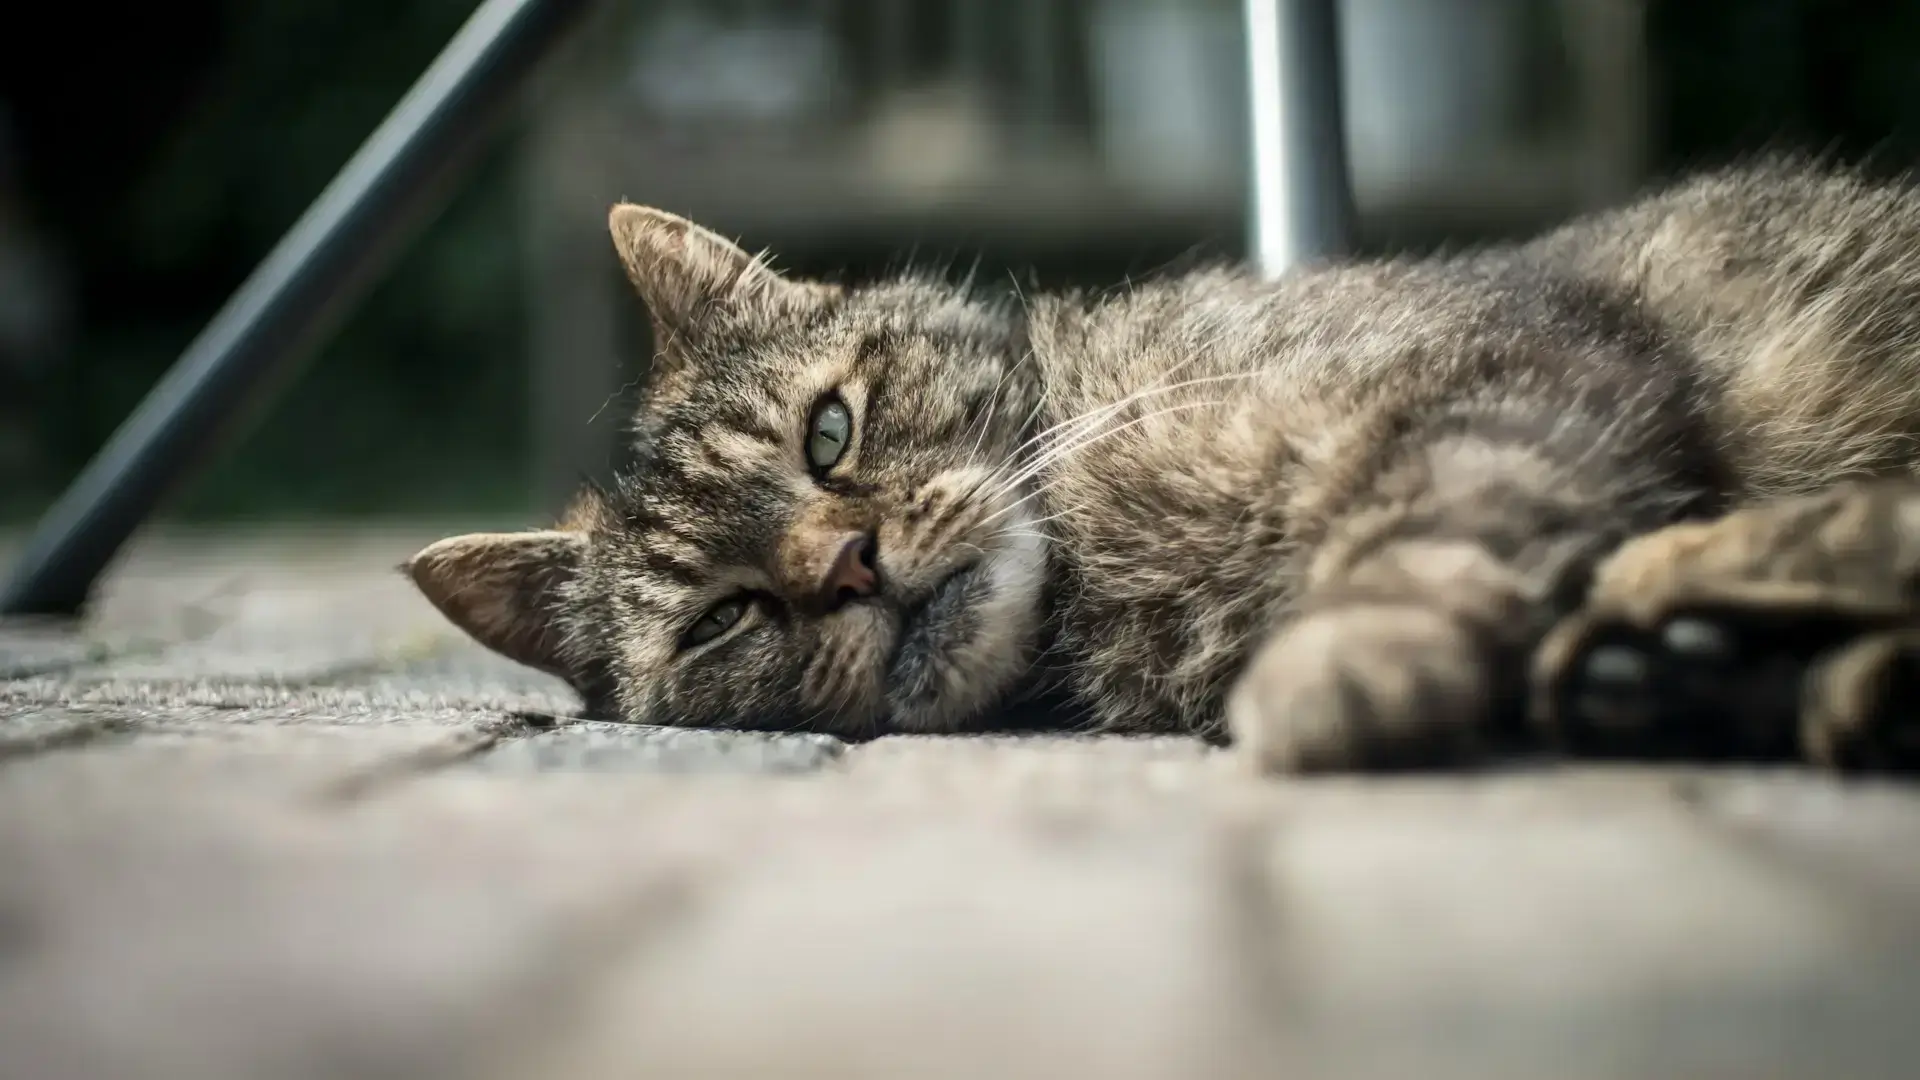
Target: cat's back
(1729, 248)
(1797, 288)
(1192, 426)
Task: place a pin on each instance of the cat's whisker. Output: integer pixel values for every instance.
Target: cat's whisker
(1029, 528)
(993, 402)
(1041, 535)
(1139, 396)
(1055, 453)
(1090, 416)
(1074, 509)
(1136, 396)
(1089, 441)
(1089, 421)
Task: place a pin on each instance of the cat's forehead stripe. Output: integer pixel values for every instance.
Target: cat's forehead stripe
(727, 514)
(754, 418)
(672, 557)
(717, 453)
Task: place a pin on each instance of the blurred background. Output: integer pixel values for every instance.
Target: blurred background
(151, 154)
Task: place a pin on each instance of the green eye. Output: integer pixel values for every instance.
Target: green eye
(718, 620)
(829, 431)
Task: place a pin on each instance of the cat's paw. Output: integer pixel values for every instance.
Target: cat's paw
(1364, 685)
(1860, 705)
(1774, 631)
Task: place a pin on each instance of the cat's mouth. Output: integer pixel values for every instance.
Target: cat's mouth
(959, 646)
(935, 624)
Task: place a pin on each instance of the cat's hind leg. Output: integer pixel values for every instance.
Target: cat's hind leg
(1786, 628)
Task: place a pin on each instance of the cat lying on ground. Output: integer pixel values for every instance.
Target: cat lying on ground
(1639, 485)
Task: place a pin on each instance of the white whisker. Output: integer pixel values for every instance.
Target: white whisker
(1089, 441)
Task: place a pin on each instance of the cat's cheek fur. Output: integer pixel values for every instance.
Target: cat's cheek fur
(978, 668)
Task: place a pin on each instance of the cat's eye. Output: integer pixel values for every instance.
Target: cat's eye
(715, 621)
(829, 430)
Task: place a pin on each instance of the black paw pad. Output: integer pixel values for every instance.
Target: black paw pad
(1699, 640)
(1615, 689)
(1693, 686)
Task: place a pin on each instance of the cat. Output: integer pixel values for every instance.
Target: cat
(1329, 517)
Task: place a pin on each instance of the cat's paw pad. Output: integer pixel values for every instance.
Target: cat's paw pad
(1697, 683)
(1698, 640)
(1362, 686)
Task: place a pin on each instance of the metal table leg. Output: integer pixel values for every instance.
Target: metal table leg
(1302, 202)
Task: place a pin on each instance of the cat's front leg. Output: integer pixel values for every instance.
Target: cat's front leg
(1412, 658)
(1436, 544)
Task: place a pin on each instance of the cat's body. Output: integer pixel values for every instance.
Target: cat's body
(1336, 509)
(1743, 335)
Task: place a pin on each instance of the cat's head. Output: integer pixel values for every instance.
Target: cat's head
(825, 526)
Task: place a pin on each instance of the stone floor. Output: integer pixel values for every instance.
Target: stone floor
(266, 816)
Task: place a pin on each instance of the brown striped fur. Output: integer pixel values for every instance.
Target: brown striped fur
(1332, 512)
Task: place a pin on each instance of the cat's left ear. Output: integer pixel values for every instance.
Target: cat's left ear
(506, 590)
(680, 268)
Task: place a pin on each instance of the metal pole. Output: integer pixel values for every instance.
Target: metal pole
(1302, 201)
(257, 342)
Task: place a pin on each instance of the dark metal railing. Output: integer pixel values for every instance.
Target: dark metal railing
(395, 181)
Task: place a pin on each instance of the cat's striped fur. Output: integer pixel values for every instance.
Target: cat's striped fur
(1332, 512)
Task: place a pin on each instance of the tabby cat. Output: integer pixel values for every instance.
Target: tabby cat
(1332, 517)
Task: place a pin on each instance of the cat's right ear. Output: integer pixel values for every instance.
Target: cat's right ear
(506, 590)
(680, 268)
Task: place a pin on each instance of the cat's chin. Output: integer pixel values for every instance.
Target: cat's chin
(944, 621)
(961, 650)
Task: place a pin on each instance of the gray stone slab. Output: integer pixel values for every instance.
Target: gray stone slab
(180, 932)
(461, 674)
(600, 923)
(175, 585)
(1859, 839)
(1574, 929)
(345, 703)
(1076, 770)
(282, 605)
(1578, 923)
(293, 826)
(103, 752)
(602, 747)
(456, 676)
(880, 946)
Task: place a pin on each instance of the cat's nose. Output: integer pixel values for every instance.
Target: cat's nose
(850, 576)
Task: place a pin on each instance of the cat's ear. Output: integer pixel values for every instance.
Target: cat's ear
(680, 268)
(505, 590)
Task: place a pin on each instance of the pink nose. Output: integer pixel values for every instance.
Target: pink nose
(850, 576)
